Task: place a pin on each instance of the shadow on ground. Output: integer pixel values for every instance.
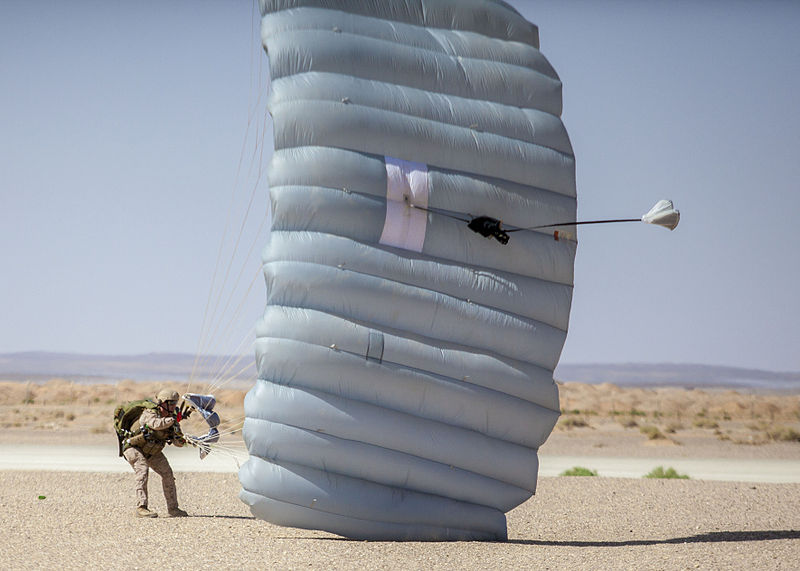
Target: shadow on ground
(711, 537)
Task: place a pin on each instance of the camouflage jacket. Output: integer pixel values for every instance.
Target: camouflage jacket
(159, 430)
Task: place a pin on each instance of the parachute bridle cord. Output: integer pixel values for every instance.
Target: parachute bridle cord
(577, 224)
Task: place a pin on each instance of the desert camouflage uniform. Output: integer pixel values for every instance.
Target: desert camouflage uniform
(150, 455)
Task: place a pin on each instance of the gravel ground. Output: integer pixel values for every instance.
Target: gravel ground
(86, 521)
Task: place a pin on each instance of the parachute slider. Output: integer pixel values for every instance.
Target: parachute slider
(204, 404)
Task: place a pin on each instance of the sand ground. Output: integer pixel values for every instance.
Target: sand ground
(85, 519)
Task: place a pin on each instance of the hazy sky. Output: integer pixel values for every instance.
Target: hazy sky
(127, 130)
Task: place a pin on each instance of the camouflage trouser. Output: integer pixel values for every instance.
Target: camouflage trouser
(160, 465)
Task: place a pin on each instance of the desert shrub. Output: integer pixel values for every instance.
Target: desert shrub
(705, 423)
(673, 427)
(669, 473)
(783, 434)
(100, 429)
(70, 417)
(578, 471)
(652, 432)
(573, 422)
(628, 422)
(577, 411)
(722, 435)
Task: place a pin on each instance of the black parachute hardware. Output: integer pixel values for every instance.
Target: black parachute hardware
(489, 227)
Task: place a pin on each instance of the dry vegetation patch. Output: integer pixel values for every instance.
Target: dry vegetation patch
(738, 417)
(63, 406)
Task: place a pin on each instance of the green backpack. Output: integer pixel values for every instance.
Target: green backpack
(125, 415)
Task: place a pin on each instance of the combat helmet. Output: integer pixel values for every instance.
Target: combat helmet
(165, 395)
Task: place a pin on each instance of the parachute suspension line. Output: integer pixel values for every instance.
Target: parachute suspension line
(232, 425)
(216, 293)
(228, 450)
(238, 455)
(224, 330)
(213, 320)
(211, 293)
(259, 147)
(231, 430)
(253, 49)
(232, 444)
(216, 447)
(256, 240)
(221, 368)
(225, 378)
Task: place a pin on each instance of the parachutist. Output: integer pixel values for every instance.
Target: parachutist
(154, 424)
(489, 227)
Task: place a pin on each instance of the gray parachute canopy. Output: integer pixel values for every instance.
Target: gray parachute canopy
(406, 362)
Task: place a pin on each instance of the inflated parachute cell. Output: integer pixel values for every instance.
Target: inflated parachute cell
(406, 362)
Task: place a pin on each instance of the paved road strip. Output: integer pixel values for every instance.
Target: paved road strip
(105, 459)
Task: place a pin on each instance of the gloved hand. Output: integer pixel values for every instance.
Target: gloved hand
(176, 435)
(183, 412)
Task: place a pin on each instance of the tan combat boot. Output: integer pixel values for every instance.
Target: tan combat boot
(177, 512)
(142, 511)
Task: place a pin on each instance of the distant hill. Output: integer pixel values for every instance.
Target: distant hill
(41, 366)
(679, 375)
